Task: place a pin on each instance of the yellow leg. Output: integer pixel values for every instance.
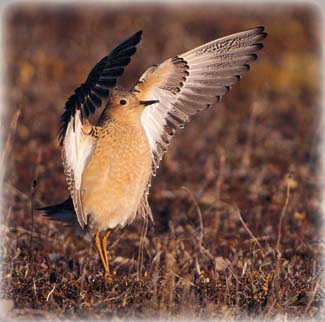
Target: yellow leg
(104, 247)
(103, 255)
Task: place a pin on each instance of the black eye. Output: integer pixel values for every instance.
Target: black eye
(123, 102)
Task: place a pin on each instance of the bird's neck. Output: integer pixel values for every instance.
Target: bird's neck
(125, 116)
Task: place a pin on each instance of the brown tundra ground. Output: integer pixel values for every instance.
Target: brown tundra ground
(237, 200)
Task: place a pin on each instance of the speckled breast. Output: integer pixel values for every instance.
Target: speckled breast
(116, 176)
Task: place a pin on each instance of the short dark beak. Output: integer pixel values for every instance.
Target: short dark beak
(147, 103)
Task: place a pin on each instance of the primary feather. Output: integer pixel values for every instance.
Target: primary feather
(77, 147)
(191, 82)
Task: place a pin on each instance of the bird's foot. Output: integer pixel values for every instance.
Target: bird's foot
(108, 277)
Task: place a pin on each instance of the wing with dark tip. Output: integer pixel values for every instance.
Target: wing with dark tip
(88, 96)
(77, 146)
(191, 82)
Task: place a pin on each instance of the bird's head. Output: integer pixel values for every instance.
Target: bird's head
(122, 99)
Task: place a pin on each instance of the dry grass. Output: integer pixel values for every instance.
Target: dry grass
(237, 201)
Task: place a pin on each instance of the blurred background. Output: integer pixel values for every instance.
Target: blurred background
(256, 150)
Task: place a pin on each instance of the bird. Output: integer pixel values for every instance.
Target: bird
(111, 150)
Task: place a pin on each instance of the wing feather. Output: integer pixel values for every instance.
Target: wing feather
(76, 146)
(191, 82)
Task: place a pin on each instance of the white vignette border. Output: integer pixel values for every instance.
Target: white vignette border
(6, 4)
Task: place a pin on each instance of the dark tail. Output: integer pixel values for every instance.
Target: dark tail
(63, 212)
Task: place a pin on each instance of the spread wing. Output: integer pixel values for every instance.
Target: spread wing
(76, 146)
(192, 82)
